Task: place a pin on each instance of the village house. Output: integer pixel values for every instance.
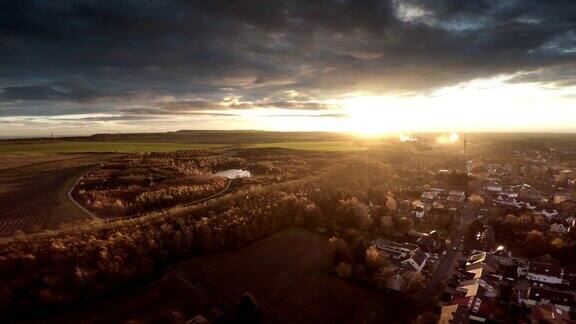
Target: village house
(454, 314)
(542, 272)
(493, 187)
(473, 287)
(559, 225)
(549, 313)
(485, 258)
(484, 239)
(478, 301)
(548, 213)
(479, 292)
(428, 196)
(396, 251)
(503, 257)
(543, 296)
(415, 262)
(427, 243)
(483, 268)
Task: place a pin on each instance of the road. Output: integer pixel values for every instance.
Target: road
(111, 219)
(449, 260)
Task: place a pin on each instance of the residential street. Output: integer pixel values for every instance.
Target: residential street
(448, 262)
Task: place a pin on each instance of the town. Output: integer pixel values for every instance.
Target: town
(507, 255)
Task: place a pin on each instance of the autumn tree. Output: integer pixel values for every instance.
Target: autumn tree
(414, 282)
(535, 243)
(374, 259)
(341, 250)
(391, 204)
(476, 200)
(381, 277)
(344, 270)
(557, 243)
(386, 224)
(353, 214)
(405, 223)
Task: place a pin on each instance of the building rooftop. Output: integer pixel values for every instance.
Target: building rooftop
(454, 314)
(547, 269)
(549, 313)
(556, 297)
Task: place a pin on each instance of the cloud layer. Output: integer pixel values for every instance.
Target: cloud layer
(181, 57)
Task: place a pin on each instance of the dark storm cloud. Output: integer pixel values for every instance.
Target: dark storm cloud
(89, 52)
(46, 92)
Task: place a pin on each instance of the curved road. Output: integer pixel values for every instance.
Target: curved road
(111, 219)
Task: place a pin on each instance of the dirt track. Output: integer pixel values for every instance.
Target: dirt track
(33, 191)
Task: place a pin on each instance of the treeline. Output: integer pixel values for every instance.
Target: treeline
(42, 272)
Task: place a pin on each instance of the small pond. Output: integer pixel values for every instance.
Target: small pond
(234, 174)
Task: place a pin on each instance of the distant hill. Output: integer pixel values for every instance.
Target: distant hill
(199, 136)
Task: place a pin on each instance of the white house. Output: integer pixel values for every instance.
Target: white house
(493, 187)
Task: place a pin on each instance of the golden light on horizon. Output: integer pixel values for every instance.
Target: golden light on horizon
(406, 138)
(373, 116)
(448, 139)
(480, 105)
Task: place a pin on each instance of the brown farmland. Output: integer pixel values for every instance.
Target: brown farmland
(33, 190)
(288, 273)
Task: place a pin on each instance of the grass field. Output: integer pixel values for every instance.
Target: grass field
(316, 146)
(134, 147)
(99, 147)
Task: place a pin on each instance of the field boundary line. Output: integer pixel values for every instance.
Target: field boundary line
(89, 213)
(112, 219)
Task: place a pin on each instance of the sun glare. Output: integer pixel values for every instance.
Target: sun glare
(490, 105)
(376, 116)
(448, 139)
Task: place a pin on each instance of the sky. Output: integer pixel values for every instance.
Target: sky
(76, 67)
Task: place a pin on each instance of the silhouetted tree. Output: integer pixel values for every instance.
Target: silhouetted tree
(247, 310)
